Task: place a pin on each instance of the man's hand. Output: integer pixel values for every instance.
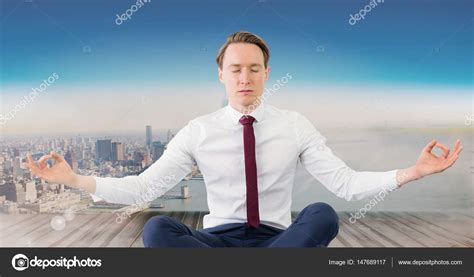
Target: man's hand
(60, 172)
(428, 163)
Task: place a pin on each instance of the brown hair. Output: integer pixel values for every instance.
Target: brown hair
(244, 37)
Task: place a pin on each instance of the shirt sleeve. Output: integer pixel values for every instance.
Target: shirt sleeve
(175, 163)
(332, 172)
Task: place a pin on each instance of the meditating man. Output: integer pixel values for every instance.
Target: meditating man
(247, 153)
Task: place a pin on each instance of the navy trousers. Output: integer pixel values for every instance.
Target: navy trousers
(315, 226)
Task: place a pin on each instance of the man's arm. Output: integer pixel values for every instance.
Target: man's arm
(349, 184)
(176, 161)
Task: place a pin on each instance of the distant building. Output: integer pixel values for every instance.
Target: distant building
(13, 191)
(17, 167)
(104, 149)
(148, 136)
(138, 157)
(10, 207)
(54, 202)
(185, 192)
(30, 191)
(157, 150)
(71, 159)
(118, 151)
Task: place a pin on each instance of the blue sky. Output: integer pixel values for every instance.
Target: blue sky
(168, 41)
(172, 44)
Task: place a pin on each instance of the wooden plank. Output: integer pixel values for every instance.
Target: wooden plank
(81, 231)
(187, 220)
(47, 237)
(93, 231)
(450, 232)
(367, 227)
(364, 239)
(336, 243)
(383, 225)
(129, 234)
(111, 227)
(443, 240)
(8, 221)
(450, 222)
(31, 238)
(25, 227)
(195, 220)
(377, 229)
(368, 237)
(200, 220)
(419, 235)
(347, 237)
(420, 228)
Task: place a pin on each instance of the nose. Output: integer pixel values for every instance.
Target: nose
(244, 77)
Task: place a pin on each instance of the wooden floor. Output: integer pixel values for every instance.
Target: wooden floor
(377, 229)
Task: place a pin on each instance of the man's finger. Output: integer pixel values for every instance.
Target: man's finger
(57, 157)
(444, 148)
(456, 147)
(32, 166)
(429, 146)
(43, 159)
(31, 162)
(452, 160)
(29, 158)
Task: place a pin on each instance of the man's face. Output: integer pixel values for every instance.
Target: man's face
(243, 74)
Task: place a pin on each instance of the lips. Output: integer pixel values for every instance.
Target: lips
(246, 90)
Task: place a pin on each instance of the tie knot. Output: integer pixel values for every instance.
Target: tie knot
(246, 120)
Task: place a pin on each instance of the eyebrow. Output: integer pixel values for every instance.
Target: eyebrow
(239, 65)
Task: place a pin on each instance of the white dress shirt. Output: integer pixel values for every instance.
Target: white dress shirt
(215, 143)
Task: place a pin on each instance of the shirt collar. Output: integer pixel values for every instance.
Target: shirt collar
(236, 115)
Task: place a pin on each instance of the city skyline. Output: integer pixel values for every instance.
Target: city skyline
(325, 107)
(21, 192)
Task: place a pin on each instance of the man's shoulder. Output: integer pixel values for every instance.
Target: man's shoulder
(212, 117)
(289, 115)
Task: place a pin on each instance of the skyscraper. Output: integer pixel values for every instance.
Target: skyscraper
(17, 167)
(71, 159)
(30, 191)
(14, 191)
(104, 149)
(118, 151)
(157, 150)
(148, 136)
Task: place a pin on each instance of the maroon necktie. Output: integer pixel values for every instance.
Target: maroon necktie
(253, 218)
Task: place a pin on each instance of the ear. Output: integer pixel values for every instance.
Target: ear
(267, 73)
(219, 74)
